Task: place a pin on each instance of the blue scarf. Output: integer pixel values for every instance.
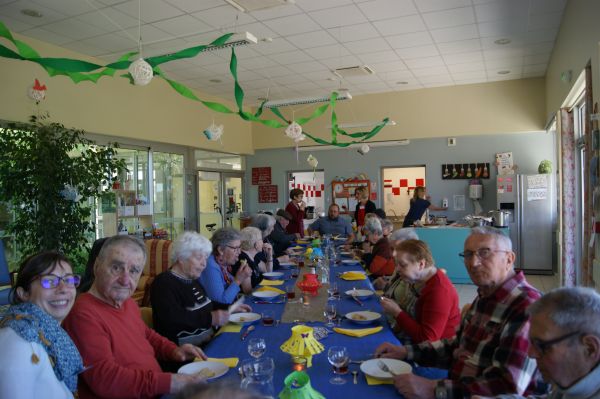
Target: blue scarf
(32, 324)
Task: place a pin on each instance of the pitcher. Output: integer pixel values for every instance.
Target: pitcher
(258, 376)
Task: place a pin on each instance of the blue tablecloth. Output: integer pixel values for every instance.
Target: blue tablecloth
(230, 345)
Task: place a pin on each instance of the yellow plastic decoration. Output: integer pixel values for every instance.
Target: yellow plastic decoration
(302, 343)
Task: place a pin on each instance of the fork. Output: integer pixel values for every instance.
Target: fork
(384, 367)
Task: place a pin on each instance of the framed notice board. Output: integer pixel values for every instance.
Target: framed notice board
(268, 194)
(261, 176)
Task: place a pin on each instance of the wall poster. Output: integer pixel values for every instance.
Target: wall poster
(261, 176)
(268, 194)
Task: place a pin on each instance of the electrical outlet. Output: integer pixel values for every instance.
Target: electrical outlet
(451, 141)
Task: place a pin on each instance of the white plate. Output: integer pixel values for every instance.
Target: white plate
(215, 367)
(371, 368)
(350, 261)
(363, 317)
(265, 295)
(272, 275)
(244, 318)
(360, 294)
(286, 265)
(346, 253)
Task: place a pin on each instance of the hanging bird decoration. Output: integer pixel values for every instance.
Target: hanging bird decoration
(37, 91)
(214, 132)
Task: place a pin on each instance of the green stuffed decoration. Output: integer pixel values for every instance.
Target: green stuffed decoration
(297, 386)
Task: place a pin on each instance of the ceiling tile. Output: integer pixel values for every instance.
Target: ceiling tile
(290, 57)
(276, 12)
(311, 39)
(13, 11)
(274, 71)
(313, 5)
(396, 26)
(190, 6)
(108, 18)
(184, 25)
(367, 46)
(409, 40)
(504, 63)
(70, 7)
(466, 67)
(452, 59)
(325, 52)
(224, 17)
(381, 56)
(540, 36)
(438, 78)
(290, 79)
(535, 68)
(151, 10)
(47, 36)
(537, 59)
(353, 33)
(477, 74)
(245, 52)
(417, 52)
(302, 86)
(340, 16)
(384, 68)
(398, 76)
(310, 66)
(385, 9)
(112, 43)
(258, 29)
(438, 5)
(164, 47)
(545, 47)
(454, 34)
(74, 28)
(14, 25)
(208, 58)
(292, 24)
(373, 86)
(278, 45)
(150, 34)
(449, 18)
(503, 28)
(461, 46)
(425, 62)
(321, 75)
(501, 10)
(547, 6)
(342, 62)
(89, 49)
(545, 21)
(257, 63)
(501, 53)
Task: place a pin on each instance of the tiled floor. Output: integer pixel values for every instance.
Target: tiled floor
(467, 292)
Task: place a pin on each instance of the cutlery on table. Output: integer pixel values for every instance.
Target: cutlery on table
(384, 367)
(268, 303)
(248, 331)
(354, 377)
(357, 300)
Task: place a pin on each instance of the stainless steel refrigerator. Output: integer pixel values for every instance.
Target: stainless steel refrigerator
(531, 201)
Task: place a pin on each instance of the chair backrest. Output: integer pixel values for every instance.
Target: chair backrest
(158, 256)
(4, 274)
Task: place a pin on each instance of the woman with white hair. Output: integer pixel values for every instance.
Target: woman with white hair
(252, 254)
(380, 261)
(181, 310)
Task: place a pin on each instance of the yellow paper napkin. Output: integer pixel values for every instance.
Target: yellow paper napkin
(229, 328)
(379, 292)
(277, 290)
(271, 282)
(377, 381)
(353, 276)
(227, 361)
(359, 332)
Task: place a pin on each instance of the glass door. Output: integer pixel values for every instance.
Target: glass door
(234, 203)
(168, 194)
(210, 204)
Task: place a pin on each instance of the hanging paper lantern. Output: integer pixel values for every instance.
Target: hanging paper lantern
(141, 72)
(37, 91)
(312, 161)
(294, 131)
(214, 132)
(364, 149)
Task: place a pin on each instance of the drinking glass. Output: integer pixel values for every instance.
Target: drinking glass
(290, 291)
(333, 291)
(257, 347)
(295, 272)
(330, 313)
(339, 358)
(268, 317)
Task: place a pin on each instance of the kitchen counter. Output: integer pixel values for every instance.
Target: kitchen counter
(446, 242)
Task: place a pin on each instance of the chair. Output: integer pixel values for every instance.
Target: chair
(157, 262)
(146, 313)
(5, 284)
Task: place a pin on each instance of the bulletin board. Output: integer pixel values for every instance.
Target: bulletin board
(268, 194)
(261, 176)
(343, 193)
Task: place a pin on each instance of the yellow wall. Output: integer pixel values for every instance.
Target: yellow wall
(576, 44)
(114, 107)
(489, 108)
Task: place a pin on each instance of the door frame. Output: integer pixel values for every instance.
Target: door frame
(222, 191)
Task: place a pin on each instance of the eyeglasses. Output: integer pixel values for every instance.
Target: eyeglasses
(482, 253)
(234, 248)
(117, 269)
(49, 281)
(544, 346)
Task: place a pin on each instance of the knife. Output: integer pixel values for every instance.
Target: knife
(357, 300)
(245, 334)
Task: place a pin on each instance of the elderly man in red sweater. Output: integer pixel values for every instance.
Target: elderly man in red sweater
(119, 350)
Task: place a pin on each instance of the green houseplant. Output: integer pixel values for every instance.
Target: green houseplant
(48, 173)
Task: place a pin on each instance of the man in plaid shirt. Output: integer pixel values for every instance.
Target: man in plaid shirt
(488, 356)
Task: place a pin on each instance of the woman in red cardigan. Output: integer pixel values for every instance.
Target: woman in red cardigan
(296, 208)
(379, 260)
(436, 311)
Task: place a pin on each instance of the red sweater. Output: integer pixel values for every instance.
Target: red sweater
(296, 225)
(437, 314)
(382, 260)
(120, 350)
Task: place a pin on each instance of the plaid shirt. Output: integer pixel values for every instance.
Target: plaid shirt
(488, 356)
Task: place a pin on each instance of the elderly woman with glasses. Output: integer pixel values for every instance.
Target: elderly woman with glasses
(379, 260)
(181, 310)
(39, 360)
(254, 254)
(218, 280)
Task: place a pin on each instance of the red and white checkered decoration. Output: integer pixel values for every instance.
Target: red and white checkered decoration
(310, 190)
(403, 183)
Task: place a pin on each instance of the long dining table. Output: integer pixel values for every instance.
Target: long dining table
(228, 344)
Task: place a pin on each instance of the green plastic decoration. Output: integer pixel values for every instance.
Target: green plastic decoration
(80, 71)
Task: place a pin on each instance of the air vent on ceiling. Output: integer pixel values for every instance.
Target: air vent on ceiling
(354, 71)
(254, 5)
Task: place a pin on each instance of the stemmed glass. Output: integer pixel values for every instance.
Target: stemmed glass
(339, 358)
(257, 347)
(330, 313)
(333, 291)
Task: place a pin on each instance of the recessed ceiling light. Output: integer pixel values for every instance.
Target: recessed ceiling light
(504, 72)
(403, 82)
(31, 13)
(502, 42)
(215, 80)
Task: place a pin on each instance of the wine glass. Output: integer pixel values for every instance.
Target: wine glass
(330, 313)
(257, 347)
(332, 290)
(339, 358)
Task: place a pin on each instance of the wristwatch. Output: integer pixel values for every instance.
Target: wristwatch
(441, 392)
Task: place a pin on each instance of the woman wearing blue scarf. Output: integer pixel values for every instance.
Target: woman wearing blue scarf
(39, 360)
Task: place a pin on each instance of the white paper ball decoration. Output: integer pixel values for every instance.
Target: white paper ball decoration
(294, 131)
(364, 149)
(141, 72)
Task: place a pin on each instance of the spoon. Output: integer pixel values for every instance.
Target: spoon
(248, 331)
(354, 377)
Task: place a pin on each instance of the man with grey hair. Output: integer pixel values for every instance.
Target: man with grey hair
(115, 344)
(280, 239)
(488, 355)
